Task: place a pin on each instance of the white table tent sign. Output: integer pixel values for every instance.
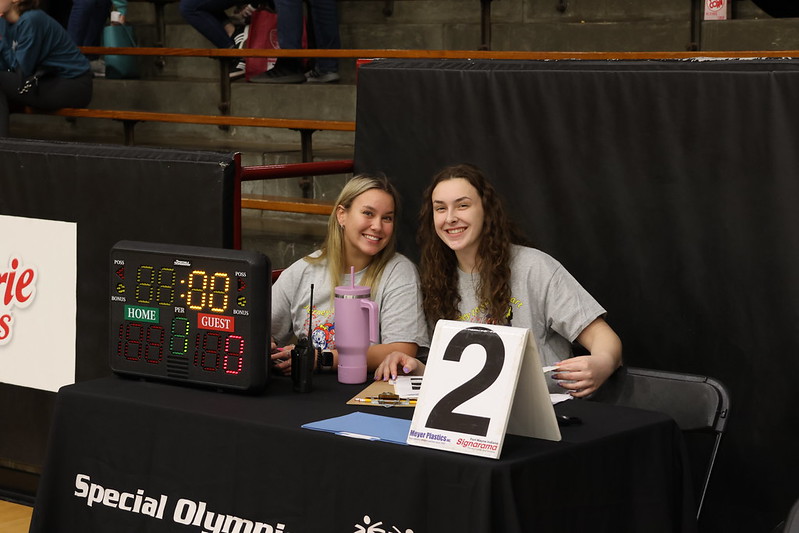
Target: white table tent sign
(474, 372)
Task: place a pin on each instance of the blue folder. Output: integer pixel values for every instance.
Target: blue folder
(365, 426)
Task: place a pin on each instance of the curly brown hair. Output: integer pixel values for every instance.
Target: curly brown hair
(439, 265)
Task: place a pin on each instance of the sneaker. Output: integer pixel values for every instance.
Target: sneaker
(279, 75)
(240, 36)
(238, 70)
(314, 76)
(98, 68)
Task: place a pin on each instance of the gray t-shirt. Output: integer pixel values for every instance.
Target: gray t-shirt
(398, 300)
(544, 298)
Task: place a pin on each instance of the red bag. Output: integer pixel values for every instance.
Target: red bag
(263, 36)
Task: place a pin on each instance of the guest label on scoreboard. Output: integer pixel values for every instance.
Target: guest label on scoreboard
(218, 323)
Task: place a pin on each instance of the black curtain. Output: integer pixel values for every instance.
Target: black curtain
(668, 188)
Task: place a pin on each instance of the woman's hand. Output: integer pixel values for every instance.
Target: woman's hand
(388, 369)
(281, 358)
(583, 375)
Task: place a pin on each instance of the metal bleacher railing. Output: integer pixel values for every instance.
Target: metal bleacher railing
(282, 203)
(292, 170)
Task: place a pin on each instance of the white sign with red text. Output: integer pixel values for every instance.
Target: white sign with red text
(38, 302)
(717, 9)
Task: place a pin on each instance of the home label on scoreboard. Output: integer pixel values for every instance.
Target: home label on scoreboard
(190, 314)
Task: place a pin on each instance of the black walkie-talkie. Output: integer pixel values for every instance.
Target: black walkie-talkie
(303, 357)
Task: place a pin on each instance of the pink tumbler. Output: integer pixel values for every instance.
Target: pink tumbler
(356, 329)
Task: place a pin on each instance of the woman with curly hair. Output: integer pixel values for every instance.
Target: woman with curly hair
(474, 268)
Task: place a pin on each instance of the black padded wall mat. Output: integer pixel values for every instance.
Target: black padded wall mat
(111, 193)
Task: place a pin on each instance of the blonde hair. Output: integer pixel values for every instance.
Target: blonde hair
(333, 248)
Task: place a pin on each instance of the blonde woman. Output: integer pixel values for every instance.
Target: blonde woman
(360, 234)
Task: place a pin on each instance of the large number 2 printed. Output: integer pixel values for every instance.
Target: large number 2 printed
(442, 416)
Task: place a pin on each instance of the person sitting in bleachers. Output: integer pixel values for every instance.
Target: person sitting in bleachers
(209, 17)
(40, 65)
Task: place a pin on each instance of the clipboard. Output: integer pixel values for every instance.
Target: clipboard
(375, 390)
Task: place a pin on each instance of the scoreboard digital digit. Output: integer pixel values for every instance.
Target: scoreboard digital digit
(190, 314)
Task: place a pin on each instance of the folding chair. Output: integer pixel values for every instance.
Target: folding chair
(696, 403)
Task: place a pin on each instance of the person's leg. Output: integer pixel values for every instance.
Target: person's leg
(51, 92)
(86, 21)
(3, 115)
(9, 84)
(96, 22)
(325, 25)
(76, 25)
(289, 23)
(208, 17)
(55, 93)
(289, 36)
(289, 31)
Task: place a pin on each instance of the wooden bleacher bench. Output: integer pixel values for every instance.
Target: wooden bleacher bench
(286, 205)
(130, 118)
(360, 53)
(218, 120)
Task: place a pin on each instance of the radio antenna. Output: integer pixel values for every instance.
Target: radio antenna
(310, 318)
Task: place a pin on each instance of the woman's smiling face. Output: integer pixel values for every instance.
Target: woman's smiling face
(458, 217)
(368, 225)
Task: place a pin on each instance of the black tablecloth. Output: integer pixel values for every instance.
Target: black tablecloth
(198, 460)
